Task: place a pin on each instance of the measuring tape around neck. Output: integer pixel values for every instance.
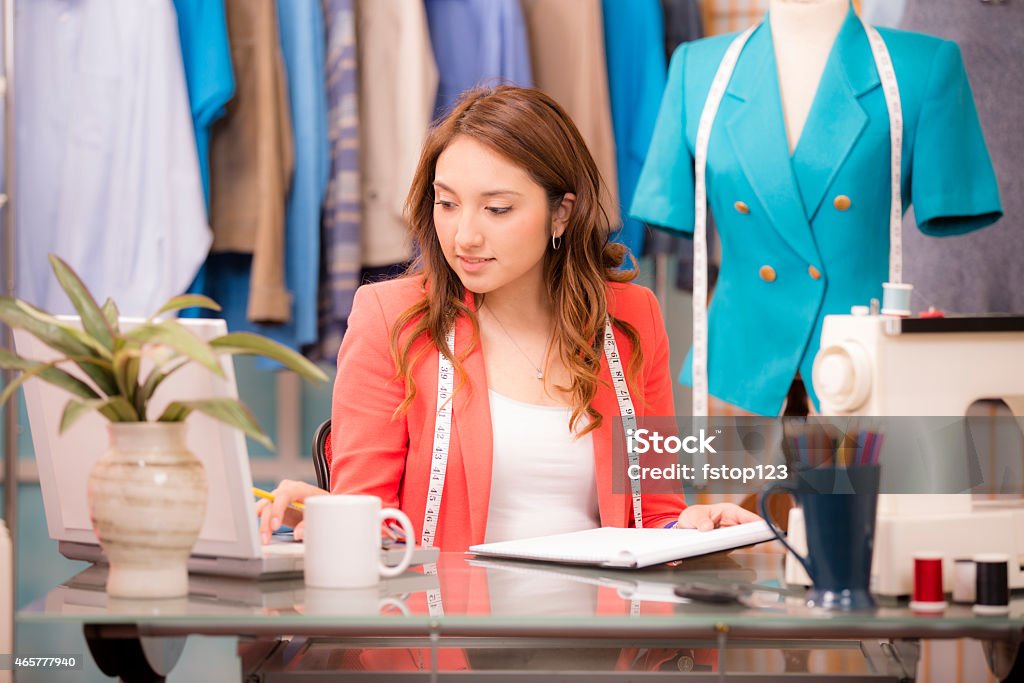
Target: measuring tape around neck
(890, 88)
(443, 430)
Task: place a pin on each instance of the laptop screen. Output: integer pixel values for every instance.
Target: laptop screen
(64, 460)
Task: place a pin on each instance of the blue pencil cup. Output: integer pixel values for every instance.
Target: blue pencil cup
(839, 505)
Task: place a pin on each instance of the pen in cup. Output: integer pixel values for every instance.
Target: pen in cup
(267, 495)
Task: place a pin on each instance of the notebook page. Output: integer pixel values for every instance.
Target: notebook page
(614, 547)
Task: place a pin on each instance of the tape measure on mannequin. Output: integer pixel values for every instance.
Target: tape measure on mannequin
(894, 106)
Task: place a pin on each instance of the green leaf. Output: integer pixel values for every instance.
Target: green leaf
(62, 338)
(94, 322)
(48, 373)
(112, 315)
(247, 343)
(42, 370)
(120, 410)
(227, 410)
(42, 326)
(171, 333)
(188, 301)
(108, 407)
(156, 377)
(175, 412)
(126, 372)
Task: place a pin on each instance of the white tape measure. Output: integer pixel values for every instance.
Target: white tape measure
(439, 464)
(626, 412)
(890, 87)
(443, 436)
(443, 430)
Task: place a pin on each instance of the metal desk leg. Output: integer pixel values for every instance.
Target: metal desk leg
(119, 650)
(906, 654)
(1005, 658)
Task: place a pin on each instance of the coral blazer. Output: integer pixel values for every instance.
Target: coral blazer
(378, 454)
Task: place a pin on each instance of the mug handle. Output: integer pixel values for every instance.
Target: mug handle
(396, 603)
(403, 519)
(780, 488)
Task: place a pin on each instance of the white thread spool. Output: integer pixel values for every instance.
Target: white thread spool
(896, 298)
(963, 581)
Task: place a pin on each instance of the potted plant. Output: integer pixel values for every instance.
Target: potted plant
(147, 493)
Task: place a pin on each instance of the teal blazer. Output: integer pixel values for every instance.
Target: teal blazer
(807, 235)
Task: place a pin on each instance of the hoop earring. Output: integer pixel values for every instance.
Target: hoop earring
(556, 242)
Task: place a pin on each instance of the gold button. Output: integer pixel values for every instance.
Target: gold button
(742, 207)
(814, 272)
(767, 273)
(842, 202)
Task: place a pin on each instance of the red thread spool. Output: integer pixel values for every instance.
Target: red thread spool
(928, 593)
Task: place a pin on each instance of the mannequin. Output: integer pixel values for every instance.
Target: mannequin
(799, 177)
(803, 32)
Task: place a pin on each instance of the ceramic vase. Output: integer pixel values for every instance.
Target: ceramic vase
(147, 500)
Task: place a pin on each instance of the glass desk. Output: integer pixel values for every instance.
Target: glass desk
(501, 616)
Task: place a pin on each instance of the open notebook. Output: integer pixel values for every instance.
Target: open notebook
(628, 548)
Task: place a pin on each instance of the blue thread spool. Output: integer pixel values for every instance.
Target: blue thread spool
(896, 298)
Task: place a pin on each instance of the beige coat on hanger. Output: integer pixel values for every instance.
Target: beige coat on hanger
(397, 88)
(567, 49)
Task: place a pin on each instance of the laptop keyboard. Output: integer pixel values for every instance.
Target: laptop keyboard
(286, 549)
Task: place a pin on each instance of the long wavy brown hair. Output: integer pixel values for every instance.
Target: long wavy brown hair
(532, 131)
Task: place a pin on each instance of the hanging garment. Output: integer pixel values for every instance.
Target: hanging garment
(722, 17)
(340, 251)
(633, 32)
(885, 12)
(807, 236)
(568, 56)
(683, 23)
(301, 24)
(206, 54)
(108, 176)
(251, 161)
(301, 27)
(397, 91)
(980, 272)
(477, 42)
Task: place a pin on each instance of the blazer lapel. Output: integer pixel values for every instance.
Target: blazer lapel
(758, 135)
(471, 420)
(836, 119)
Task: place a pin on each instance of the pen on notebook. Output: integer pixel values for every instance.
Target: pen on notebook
(267, 495)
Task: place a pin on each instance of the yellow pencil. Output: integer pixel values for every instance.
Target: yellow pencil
(267, 495)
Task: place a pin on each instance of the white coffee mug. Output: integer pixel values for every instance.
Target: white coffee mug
(350, 602)
(343, 541)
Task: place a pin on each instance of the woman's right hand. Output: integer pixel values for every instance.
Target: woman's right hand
(274, 513)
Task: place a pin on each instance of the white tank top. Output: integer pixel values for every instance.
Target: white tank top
(542, 477)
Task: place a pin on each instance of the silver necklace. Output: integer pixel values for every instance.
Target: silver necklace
(539, 372)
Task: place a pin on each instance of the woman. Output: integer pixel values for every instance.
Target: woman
(514, 249)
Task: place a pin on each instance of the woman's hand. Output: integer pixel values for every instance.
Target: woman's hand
(273, 513)
(708, 517)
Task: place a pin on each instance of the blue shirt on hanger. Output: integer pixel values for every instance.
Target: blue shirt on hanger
(301, 28)
(206, 55)
(477, 42)
(634, 47)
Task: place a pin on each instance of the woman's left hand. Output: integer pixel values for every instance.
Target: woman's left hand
(708, 517)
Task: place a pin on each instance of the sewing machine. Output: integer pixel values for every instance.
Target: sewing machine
(879, 365)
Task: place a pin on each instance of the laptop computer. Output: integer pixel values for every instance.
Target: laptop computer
(229, 542)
